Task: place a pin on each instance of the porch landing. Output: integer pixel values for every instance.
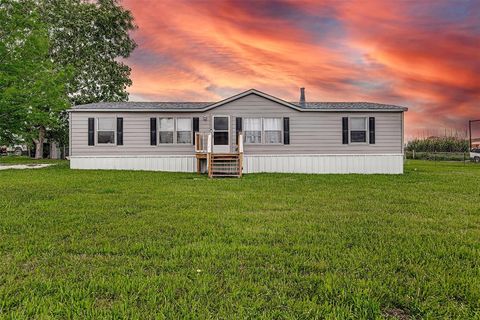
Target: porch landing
(218, 164)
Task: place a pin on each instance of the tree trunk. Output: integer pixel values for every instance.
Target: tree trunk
(39, 143)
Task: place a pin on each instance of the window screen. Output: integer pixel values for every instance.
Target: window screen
(253, 130)
(106, 131)
(358, 130)
(273, 130)
(184, 130)
(166, 129)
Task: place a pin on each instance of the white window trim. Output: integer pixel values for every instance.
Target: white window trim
(261, 132)
(282, 129)
(174, 139)
(175, 126)
(213, 126)
(114, 132)
(350, 130)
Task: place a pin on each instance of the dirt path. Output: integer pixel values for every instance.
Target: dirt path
(24, 166)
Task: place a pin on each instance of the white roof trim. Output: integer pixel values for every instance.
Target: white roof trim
(209, 107)
(252, 91)
(206, 109)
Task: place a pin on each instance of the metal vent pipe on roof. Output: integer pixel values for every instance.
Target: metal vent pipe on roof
(302, 97)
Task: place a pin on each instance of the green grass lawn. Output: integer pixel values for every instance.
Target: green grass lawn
(123, 244)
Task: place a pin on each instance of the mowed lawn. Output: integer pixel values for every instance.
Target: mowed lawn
(124, 244)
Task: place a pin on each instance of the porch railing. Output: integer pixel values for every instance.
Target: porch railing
(217, 163)
(203, 142)
(240, 142)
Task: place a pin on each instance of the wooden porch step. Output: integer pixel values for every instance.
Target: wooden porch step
(225, 165)
(216, 157)
(224, 154)
(226, 175)
(225, 161)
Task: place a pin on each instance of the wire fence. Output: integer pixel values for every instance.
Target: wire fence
(438, 156)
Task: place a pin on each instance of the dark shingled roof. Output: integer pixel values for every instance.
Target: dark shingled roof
(202, 106)
(350, 106)
(195, 106)
(144, 105)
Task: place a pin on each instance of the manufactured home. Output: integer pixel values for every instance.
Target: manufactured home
(246, 133)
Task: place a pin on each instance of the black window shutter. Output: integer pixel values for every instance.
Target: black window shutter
(238, 126)
(371, 128)
(91, 131)
(119, 131)
(345, 130)
(286, 130)
(153, 131)
(196, 127)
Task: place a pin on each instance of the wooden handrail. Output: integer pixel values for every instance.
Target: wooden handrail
(240, 142)
(209, 155)
(209, 143)
(240, 154)
(215, 161)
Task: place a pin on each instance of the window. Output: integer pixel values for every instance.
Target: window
(358, 129)
(165, 130)
(253, 130)
(106, 130)
(184, 130)
(273, 130)
(220, 130)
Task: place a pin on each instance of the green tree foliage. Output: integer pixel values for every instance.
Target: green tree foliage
(438, 144)
(93, 37)
(58, 51)
(32, 91)
(15, 46)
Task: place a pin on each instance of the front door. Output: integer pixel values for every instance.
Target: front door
(221, 134)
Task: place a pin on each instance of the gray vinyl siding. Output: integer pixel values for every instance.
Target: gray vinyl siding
(310, 132)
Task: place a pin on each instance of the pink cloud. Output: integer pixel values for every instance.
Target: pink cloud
(419, 55)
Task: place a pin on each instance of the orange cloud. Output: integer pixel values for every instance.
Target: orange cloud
(422, 55)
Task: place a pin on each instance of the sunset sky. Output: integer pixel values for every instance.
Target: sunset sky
(421, 54)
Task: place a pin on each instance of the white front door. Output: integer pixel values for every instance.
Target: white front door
(221, 134)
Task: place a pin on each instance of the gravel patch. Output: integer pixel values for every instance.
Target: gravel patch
(24, 166)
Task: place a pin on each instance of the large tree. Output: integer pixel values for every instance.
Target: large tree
(54, 51)
(16, 46)
(32, 91)
(93, 37)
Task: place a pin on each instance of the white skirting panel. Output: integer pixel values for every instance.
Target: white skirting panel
(355, 163)
(314, 163)
(146, 163)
